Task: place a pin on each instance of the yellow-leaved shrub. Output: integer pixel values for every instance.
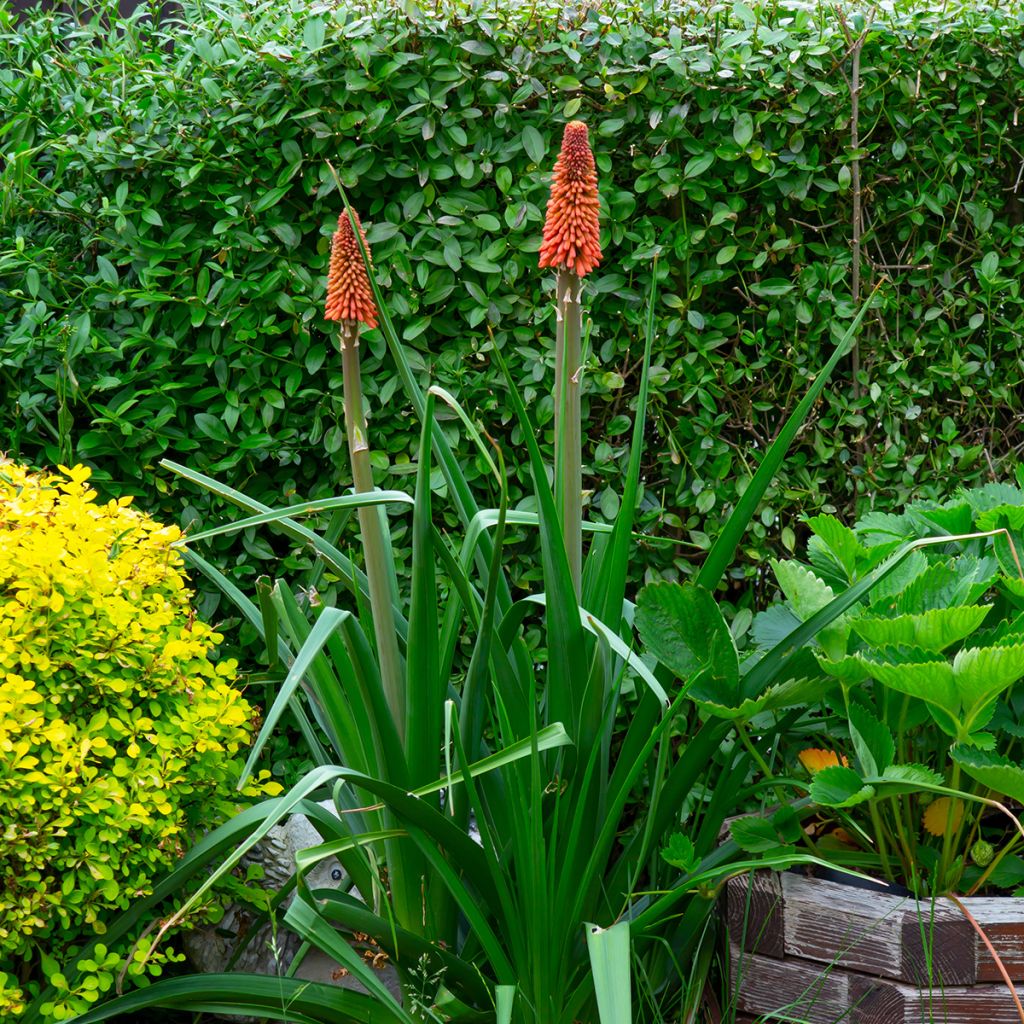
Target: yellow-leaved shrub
(119, 734)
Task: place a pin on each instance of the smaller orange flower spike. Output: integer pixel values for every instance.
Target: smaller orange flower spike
(814, 759)
(571, 230)
(349, 295)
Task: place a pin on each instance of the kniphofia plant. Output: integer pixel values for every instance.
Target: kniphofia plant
(572, 246)
(350, 302)
(539, 922)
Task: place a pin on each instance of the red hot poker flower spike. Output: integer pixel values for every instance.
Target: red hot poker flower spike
(571, 231)
(349, 295)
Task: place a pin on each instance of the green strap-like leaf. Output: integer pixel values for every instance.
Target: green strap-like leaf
(255, 995)
(569, 699)
(425, 689)
(610, 964)
(308, 924)
(728, 541)
(306, 508)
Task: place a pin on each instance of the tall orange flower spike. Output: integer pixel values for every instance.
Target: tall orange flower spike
(349, 295)
(571, 231)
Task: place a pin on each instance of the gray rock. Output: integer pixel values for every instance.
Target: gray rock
(273, 947)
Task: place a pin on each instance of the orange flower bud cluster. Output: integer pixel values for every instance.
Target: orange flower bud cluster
(571, 230)
(349, 295)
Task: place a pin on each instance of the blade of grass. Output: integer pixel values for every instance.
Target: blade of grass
(599, 629)
(346, 569)
(330, 620)
(403, 947)
(504, 1000)
(471, 429)
(306, 508)
(474, 691)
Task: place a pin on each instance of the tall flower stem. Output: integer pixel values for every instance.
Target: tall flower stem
(568, 425)
(572, 246)
(374, 550)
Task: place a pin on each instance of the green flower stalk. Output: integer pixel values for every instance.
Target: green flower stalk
(350, 302)
(571, 245)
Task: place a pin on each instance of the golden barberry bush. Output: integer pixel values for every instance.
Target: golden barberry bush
(119, 734)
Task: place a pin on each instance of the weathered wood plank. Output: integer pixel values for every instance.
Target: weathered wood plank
(876, 1001)
(940, 947)
(798, 990)
(754, 912)
(1002, 920)
(763, 984)
(823, 952)
(833, 923)
(976, 1004)
(875, 933)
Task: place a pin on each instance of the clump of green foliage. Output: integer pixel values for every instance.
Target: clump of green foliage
(166, 212)
(912, 732)
(118, 730)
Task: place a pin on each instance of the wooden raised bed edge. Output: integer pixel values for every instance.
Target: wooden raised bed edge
(825, 952)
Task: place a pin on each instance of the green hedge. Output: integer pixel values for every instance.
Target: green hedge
(166, 213)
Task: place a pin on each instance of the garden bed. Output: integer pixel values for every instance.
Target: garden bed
(827, 951)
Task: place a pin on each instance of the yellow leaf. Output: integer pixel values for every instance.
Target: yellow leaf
(814, 759)
(945, 810)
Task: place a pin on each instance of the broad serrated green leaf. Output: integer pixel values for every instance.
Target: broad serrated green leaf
(838, 786)
(807, 595)
(982, 673)
(757, 834)
(773, 625)
(913, 774)
(834, 543)
(933, 630)
(993, 770)
(930, 681)
(872, 741)
(850, 669)
(683, 627)
(680, 853)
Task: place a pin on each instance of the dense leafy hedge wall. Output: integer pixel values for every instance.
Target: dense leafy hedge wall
(166, 213)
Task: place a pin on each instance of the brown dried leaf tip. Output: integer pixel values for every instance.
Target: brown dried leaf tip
(571, 230)
(349, 295)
